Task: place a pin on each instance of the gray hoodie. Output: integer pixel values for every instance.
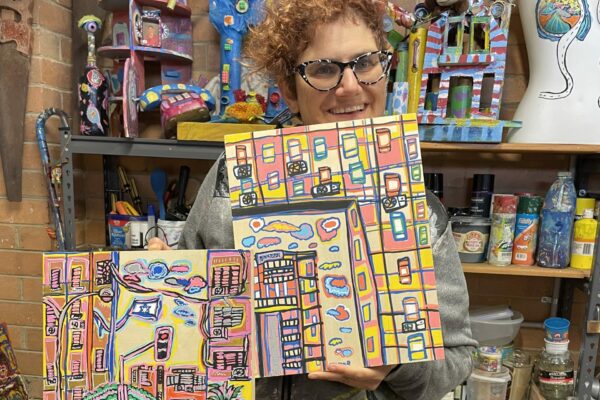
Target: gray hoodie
(209, 226)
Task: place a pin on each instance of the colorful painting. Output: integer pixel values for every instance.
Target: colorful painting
(338, 223)
(11, 383)
(147, 325)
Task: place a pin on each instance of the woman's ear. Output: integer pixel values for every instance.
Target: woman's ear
(289, 96)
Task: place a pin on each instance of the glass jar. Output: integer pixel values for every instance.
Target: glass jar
(519, 364)
(554, 372)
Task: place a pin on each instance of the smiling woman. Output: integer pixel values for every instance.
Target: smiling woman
(338, 77)
(330, 60)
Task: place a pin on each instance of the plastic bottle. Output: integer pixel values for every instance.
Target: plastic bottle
(584, 238)
(554, 371)
(554, 248)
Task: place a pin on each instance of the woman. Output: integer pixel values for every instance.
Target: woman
(291, 44)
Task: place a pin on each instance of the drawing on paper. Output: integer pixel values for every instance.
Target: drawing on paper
(563, 21)
(338, 224)
(147, 325)
(11, 382)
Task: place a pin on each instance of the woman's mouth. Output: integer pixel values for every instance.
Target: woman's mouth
(348, 109)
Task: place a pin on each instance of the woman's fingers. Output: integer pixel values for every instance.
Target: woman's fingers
(157, 244)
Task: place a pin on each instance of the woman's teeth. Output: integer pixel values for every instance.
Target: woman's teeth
(348, 110)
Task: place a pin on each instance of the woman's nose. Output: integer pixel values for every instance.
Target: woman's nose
(349, 85)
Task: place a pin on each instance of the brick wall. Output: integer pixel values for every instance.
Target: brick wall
(23, 225)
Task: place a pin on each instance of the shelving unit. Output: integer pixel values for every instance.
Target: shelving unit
(587, 387)
(110, 146)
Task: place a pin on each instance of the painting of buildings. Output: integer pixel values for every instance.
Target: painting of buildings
(146, 325)
(337, 220)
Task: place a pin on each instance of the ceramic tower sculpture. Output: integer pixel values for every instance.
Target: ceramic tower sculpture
(232, 19)
(93, 87)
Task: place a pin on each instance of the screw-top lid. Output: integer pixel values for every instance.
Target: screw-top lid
(529, 204)
(557, 347)
(588, 213)
(504, 204)
(582, 203)
(483, 182)
(565, 174)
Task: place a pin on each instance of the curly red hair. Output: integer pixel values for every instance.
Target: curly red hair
(288, 27)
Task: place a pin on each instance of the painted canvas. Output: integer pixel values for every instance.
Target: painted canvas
(11, 382)
(147, 325)
(338, 223)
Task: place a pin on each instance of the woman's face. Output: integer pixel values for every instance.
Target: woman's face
(341, 40)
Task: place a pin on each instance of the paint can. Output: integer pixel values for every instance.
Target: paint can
(434, 181)
(137, 231)
(504, 212)
(557, 329)
(526, 227)
(118, 231)
(481, 195)
(489, 358)
(471, 235)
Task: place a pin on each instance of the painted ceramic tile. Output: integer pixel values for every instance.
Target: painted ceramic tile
(11, 383)
(338, 224)
(147, 325)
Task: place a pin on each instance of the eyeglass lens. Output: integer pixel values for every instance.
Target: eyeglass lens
(368, 68)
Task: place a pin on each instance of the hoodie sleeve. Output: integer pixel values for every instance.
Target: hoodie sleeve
(434, 379)
(209, 224)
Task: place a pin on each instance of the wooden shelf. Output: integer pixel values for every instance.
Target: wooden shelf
(150, 53)
(123, 5)
(510, 148)
(521, 270)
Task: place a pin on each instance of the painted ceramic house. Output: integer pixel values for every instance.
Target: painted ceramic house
(463, 75)
(145, 31)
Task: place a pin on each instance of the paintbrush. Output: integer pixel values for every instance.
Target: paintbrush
(137, 201)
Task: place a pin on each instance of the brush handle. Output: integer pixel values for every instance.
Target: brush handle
(184, 174)
(158, 180)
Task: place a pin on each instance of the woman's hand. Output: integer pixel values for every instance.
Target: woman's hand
(157, 244)
(362, 378)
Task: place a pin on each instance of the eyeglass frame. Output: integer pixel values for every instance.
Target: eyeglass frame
(301, 68)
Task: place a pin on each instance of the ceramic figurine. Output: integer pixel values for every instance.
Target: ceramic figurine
(93, 87)
(160, 34)
(232, 19)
